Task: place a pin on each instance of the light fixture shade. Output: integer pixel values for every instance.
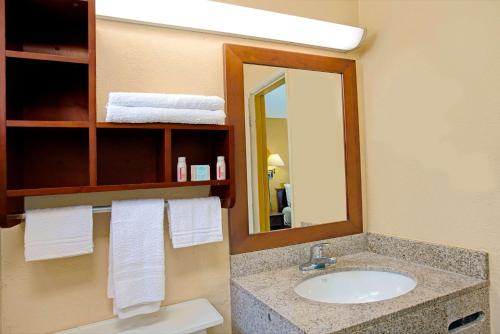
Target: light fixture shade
(275, 160)
(222, 18)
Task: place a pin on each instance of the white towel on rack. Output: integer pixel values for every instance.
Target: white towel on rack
(136, 268)
(172, 101)
(120, 114)
(58, 232)
(194, 221)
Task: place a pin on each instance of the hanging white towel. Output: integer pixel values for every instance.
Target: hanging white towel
(58, 232)
(119, 114)
(171, 101)
(194, 221)
(136, 268)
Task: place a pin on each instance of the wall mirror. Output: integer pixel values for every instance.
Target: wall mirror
(297, 158)
(295, 147)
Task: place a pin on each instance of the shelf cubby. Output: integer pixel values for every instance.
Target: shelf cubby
(130, 156)
(46, 91)
(200, 147)
(58, 27)
(47, 158)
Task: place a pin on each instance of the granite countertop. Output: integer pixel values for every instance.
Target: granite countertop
(275, 289)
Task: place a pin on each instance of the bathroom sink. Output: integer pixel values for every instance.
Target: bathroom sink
(355, 286)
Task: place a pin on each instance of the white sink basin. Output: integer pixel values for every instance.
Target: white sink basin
(355, 287)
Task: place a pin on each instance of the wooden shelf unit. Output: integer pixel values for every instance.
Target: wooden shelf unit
(50, 142)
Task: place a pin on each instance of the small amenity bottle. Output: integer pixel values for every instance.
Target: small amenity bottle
(181, 169)
(221, 168)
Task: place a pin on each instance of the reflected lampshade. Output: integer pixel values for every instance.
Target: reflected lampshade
(275, 160)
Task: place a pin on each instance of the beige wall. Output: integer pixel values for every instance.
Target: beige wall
(317, 163)
(50, 295)
(430, 80)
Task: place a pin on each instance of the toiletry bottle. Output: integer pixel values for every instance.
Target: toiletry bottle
(181, 169)
(221, 168)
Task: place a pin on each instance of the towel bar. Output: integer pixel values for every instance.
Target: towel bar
(95, 209)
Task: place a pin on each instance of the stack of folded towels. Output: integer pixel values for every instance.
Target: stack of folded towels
(165, 108)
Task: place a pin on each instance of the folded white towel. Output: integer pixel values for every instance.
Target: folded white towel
(171, 101)
(118, 114)
(194, 221)
(58, 232)
(136, 268)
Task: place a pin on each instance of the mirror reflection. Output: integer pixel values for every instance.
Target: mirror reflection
(295, 148)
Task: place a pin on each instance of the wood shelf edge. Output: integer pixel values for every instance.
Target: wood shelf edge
(114, 187)
(171, 126)
(45, 57)
(46, 124)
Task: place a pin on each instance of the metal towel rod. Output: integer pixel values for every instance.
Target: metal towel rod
(95, 209)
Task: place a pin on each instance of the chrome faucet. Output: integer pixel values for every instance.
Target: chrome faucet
(317, 260)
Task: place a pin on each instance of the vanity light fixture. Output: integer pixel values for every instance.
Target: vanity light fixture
(221, 18)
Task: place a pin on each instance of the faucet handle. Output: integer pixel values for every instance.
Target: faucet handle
(317, 250)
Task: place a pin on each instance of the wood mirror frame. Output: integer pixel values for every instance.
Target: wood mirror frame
(235, 56)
